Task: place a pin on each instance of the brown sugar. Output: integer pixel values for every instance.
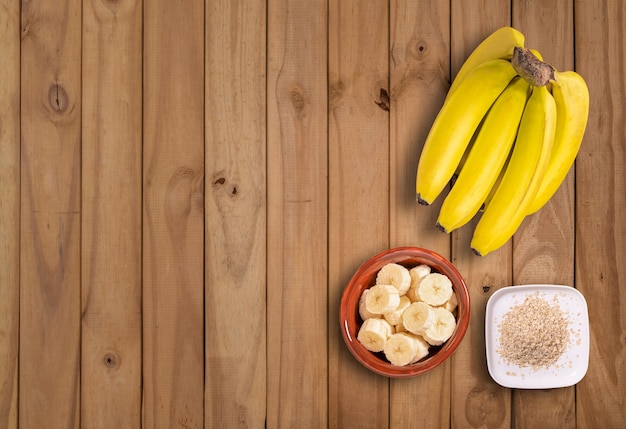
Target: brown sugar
(533, 334)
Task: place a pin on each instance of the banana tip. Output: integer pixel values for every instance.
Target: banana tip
(441, 228)
(476, 252)
(422, 201)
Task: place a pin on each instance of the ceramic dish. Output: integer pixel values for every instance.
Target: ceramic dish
(365, 277)
(571, 366)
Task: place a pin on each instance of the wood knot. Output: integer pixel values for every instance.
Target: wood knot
(58, 98)
(298, 100)
(383, 100)
(111, 360)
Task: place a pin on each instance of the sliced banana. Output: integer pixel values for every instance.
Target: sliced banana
(435, 289)
(422, 349)
(363, 308)
(374, 333)
(442, 329)
(401, 348)
(418, 317)
(418, 273)
(396, 275)
(382, 299)
(451, 304)
(395, 317)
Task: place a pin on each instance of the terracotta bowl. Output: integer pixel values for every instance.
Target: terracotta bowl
(365, 277)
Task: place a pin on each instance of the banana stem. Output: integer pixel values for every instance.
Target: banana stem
(530, 68)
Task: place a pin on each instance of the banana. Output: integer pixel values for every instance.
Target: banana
(382, 299)
(486, 158)
(395, 317)
(435, 289)
(374, 333)
(418, 317)
(442, 329)
(571, 96)
(395, 275)
(520, 182)
(417, 274)
(422, 349)
(498, 45)
(363, 307)
(401, 348)
(455, 124)
(451, 304)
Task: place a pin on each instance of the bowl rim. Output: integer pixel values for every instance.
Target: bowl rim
(408, 255)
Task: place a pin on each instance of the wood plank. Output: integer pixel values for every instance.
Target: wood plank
(419, 74)
(111, 220)
(173, 233)
(544, 245)
(235, 249)
(358, 190)
(601, 209)
(477, 401)
(9, 210)
(297, 170)
(49, 365)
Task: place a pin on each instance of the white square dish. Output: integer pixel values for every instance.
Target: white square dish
(571, 366)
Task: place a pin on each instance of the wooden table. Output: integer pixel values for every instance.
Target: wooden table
(186, 187)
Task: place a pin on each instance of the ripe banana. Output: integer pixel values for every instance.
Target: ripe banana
(395, 275)
(402, 348)
(486, 158)
(394, 318)
(455, 124)
(522, 178)
(418, 317)
(572, 106)
(374, 333)
(382, 299)
(417, 274)
(363, 313)
(442, 329)
(498, 45)
(435, 289)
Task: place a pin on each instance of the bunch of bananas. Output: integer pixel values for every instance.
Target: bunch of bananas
(506, 137)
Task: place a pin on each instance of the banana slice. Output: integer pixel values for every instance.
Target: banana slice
(382, 299)
(418, 317)
(363, 308)
(451, 304)
(396, 275)
(435, 289)
(399, 327)
(417, 274)
(442, 329)
(396, 316)
(401, 348)
(374, 333)
(422, 349)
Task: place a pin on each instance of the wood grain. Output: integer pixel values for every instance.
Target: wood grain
(297, 172)
(419, 75)
(235, 214)
(358, 190)
(111, 216)
(49, 361)
(601, 209)
(477, 401)
(544, 244)
(9, 210)
(173, 220)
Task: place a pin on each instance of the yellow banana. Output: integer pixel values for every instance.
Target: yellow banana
(498, 45)
(455, 124)
(572, 106)
(486, 158)
(529, 159)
